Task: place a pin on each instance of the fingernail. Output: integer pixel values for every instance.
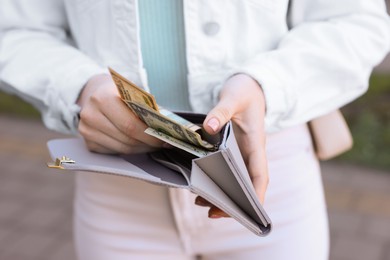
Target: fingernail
(213, 123)
(215, 216)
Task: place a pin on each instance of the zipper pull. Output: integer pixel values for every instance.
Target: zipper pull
(59, 161)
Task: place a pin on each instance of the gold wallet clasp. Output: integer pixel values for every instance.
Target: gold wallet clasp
(59, 161)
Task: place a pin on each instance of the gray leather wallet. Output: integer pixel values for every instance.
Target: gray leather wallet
(220, 177)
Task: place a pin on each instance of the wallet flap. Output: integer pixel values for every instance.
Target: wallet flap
(236, 163)
(227, 169)
(139, 166)
(205, 187)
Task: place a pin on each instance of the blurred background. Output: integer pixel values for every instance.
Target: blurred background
(36, 203)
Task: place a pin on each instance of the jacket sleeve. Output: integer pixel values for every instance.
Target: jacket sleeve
(38, 61)
(323, 62)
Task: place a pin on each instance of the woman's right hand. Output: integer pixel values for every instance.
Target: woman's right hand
(107, 124)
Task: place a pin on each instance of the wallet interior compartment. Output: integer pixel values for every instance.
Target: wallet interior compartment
(154, 168)
(175, 159)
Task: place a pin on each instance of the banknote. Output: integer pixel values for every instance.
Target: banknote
(144, 105)
(131, 92)
(157, 121)
(182, 121)
(192, 149)
(168, 126)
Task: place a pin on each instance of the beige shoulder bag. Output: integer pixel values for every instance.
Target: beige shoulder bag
(331, 135)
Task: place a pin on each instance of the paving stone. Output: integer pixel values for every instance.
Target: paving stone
(333, 173)
(64, 252)
(53, 194)
(30, 245)
(19, 189)
(386, 255)
(6, 235)
(9, 209)
(360, 177)
(346, 222)
(377, 204)
(43, 218)
(357, 248)
(378, 228)
(338, 198)
(369, 180)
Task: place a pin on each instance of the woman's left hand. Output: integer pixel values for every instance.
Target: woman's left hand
(242, 101)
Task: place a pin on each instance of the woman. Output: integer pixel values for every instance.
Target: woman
(269, 66)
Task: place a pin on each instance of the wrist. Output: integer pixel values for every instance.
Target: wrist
(93, 84)
(243, 90)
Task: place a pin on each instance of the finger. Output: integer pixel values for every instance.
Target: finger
(258, 169)
(97, 148)
(130, 125)
(218, 117)
(215, 212)
(91, 123)
(100, 142)
(252, 143)
(200, 201)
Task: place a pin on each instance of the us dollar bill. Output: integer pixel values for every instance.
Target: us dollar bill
(168, 126)
(192, 149)
(182, 121)
(131, 92)
(144, 105)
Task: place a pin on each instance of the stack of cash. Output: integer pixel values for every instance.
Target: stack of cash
(163, 124)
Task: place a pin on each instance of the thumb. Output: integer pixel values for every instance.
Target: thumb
(217, 118)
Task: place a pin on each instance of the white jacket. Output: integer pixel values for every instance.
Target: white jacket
(50, 48)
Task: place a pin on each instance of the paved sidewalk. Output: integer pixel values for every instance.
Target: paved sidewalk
(36, 203)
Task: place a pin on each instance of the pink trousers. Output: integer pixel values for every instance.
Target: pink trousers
(118, 218)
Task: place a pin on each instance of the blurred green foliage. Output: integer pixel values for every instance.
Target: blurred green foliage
(14, 106)
(368, 118)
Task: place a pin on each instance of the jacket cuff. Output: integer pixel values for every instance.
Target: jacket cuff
(63, 95)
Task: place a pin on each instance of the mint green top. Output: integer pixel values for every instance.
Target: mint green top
(163, 51)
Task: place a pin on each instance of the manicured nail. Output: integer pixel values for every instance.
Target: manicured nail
(215, 216)
(213, 123)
